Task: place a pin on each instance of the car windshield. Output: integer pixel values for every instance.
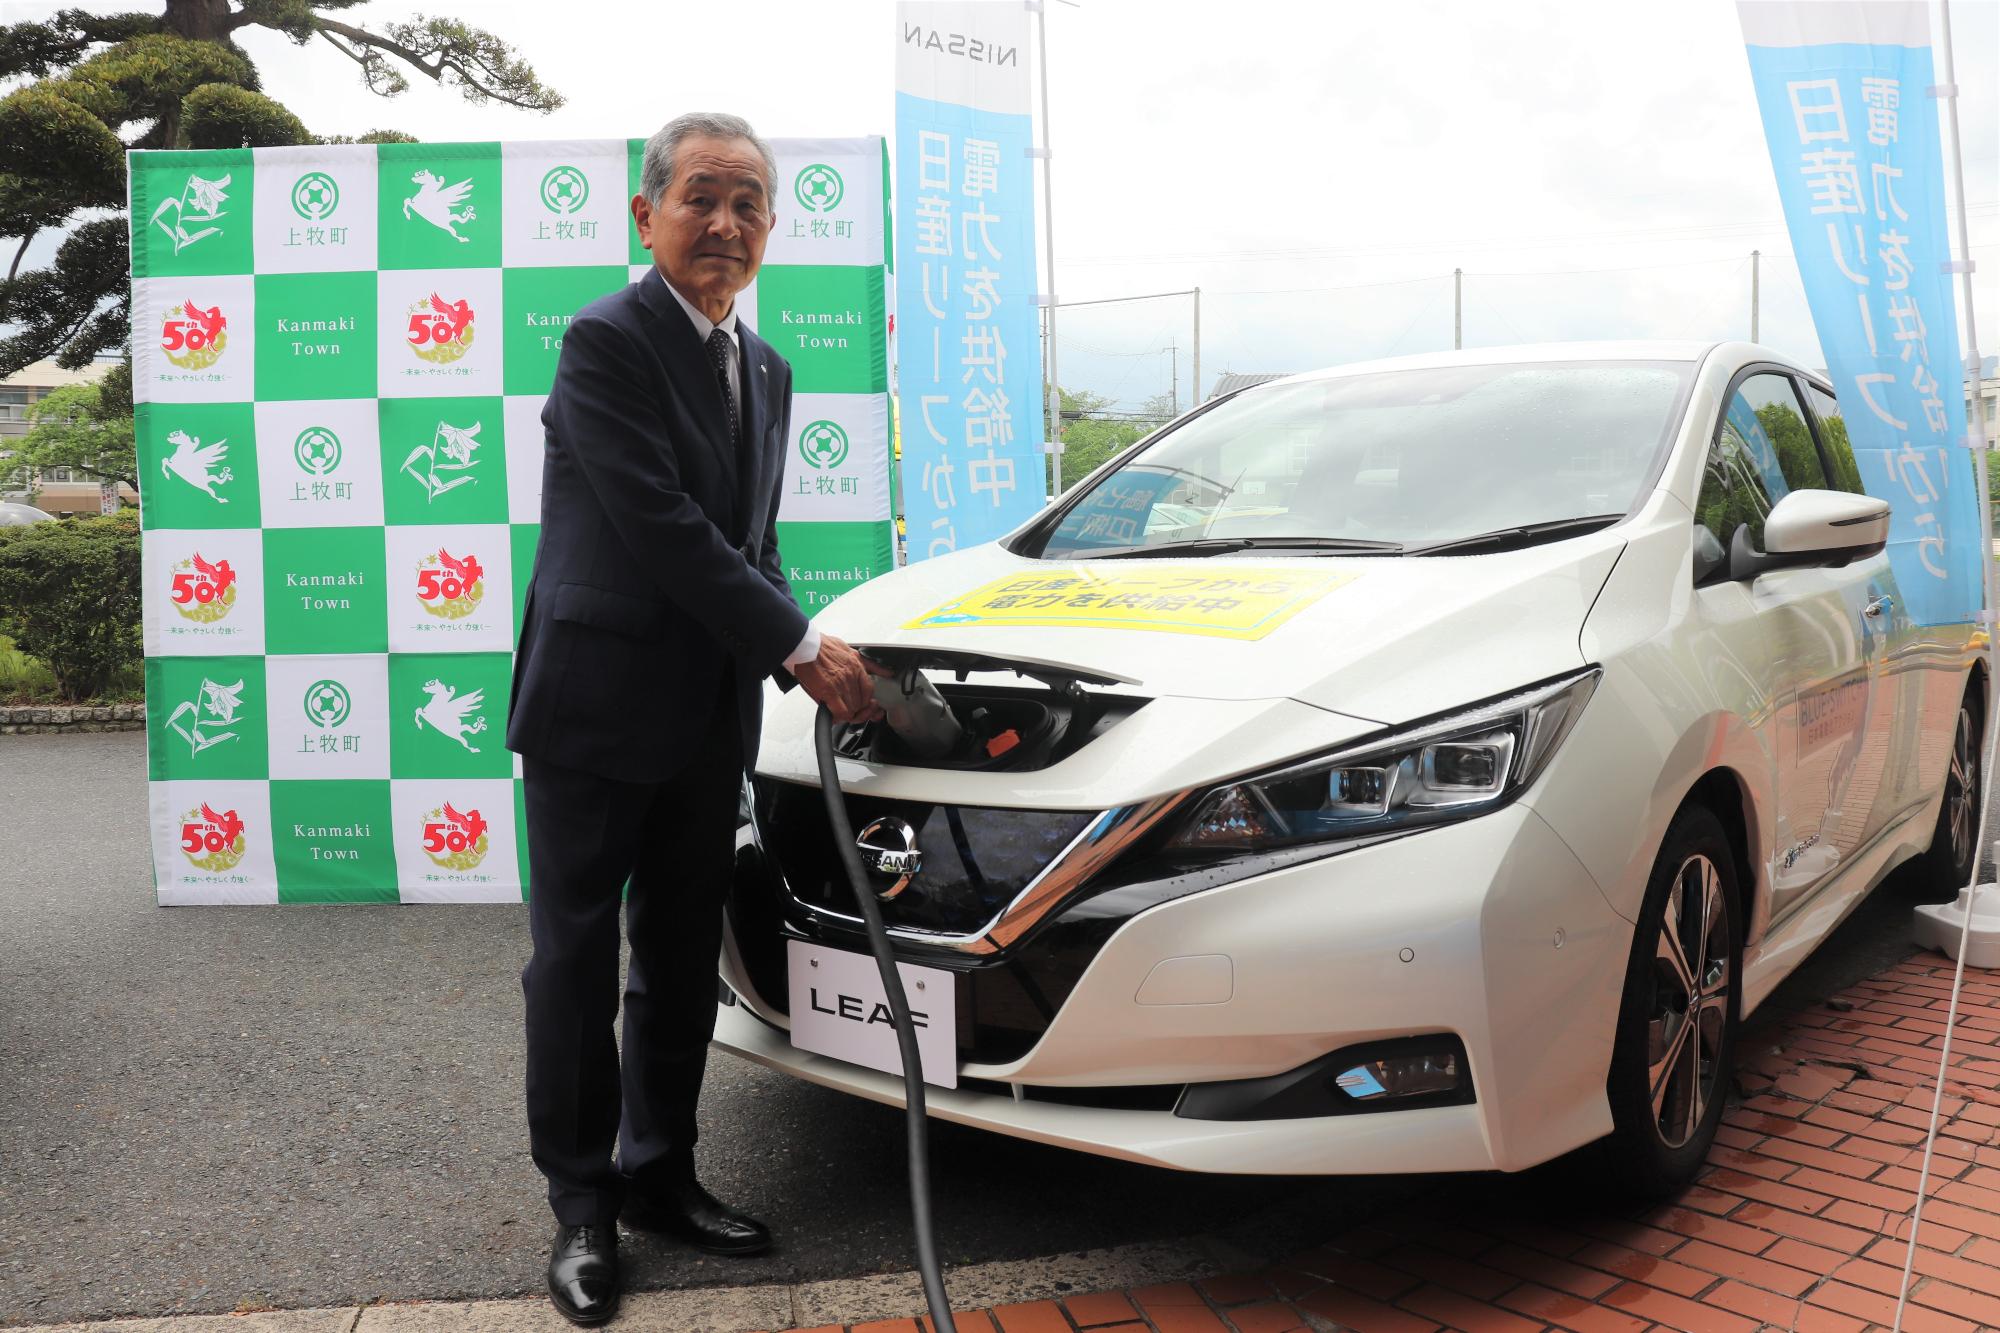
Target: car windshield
(1388, 462)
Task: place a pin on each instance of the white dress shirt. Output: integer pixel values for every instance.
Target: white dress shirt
(808, 648)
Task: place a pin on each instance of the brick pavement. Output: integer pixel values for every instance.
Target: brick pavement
(1798, 1222)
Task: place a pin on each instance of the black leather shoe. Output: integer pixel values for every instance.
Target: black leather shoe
(583, 1273)
(685, 1210)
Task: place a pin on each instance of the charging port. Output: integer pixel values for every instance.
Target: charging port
(1001, 726)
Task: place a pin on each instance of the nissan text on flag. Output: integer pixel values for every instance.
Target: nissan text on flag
(1423, 765)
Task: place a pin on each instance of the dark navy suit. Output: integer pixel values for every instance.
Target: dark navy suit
(656, 609)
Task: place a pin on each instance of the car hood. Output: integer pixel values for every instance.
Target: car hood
(1385, 639)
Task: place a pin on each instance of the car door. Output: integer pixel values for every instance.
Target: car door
(1824, 626)
(1920, 701)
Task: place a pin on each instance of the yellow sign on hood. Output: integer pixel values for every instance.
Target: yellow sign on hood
(1229, 601)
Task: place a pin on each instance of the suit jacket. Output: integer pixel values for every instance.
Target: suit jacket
(657, 572)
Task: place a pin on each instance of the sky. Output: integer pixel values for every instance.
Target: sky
(1596, 167)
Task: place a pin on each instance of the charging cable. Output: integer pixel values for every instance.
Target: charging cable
(906, 1032)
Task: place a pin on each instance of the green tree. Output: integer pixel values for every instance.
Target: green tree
(1090, 438)
(69, 595)
(103, 83)
(1846, 472)
(86, 427)
(1792, 438)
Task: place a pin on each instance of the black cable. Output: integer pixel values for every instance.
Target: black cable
(906, 1032)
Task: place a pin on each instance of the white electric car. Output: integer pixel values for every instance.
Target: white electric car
(1422, 765)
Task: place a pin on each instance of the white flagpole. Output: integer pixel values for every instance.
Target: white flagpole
(1041, 8)
(1975, 440)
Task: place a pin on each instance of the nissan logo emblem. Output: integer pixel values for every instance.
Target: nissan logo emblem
(889, 848)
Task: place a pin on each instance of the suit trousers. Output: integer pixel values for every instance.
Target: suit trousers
(670, 845)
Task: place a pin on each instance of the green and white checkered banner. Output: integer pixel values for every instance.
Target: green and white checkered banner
(340, 355)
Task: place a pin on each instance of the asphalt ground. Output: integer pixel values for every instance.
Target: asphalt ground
(211, 1109)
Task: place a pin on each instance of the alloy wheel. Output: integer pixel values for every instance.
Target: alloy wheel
(1962, 787)
(1692, 976)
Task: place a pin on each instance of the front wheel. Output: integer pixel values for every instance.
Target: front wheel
(1947, 867)
(1677, 1022)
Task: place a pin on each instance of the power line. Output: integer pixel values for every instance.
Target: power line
(1474, 273)
(1111, 300)
(1075, 341)
(1616, 268)
(1630, 235)
(1349, 287)
(1508, 273)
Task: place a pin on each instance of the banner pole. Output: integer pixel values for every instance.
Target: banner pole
(1197, 400)
(1755, 257)
(1948, 90)
(1041, 9)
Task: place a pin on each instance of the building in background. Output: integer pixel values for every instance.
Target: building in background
(58, 490)
(1986, 414)
(1231, 380)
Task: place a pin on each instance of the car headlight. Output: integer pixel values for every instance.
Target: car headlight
(1453, 767)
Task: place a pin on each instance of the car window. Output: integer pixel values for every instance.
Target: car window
(1845, 473)
(1782, 434)
(1406, 456)
(1763, 452)
(1733, 490)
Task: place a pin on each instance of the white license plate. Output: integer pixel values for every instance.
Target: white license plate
(840, 1009)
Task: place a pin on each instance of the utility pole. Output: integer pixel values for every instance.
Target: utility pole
(1175, 388)
(1195, 292)
(1197, 348)
(1755, 256)
(1457, 308)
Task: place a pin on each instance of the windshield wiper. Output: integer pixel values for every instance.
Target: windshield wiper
(1506, 539)
(1224, 545)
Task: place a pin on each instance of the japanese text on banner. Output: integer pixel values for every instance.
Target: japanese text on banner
(1854, 140)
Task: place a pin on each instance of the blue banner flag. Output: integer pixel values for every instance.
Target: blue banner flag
(1845, 94)
(968, 339)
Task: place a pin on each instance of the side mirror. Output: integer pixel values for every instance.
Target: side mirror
(1827, 523)
(1813, 528)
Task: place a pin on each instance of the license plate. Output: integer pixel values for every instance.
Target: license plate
(840, 1009)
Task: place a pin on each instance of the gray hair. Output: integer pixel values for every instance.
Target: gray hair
(656, 172)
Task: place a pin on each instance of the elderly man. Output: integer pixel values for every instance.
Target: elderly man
(657, 581)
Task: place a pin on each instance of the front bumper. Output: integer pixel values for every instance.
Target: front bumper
(1489, 930)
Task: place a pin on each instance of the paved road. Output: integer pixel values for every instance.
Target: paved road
(202, 1108)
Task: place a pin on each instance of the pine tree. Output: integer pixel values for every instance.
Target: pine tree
(106, 83)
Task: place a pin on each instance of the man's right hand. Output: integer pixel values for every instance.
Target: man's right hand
(843, 680)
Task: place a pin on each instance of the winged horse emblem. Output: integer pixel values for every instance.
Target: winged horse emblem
(434, 201)
(211, 321)
(197, 464)
(468, 570)
(229, 824)
(447, 711)
(219, 573)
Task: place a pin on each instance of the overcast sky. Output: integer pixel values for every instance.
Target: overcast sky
(1597, 167)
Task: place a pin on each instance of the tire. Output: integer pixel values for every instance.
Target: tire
(1942, 871)
(1670, 1070)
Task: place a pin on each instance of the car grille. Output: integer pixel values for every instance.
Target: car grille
(1006, 1000)
(976, 860)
